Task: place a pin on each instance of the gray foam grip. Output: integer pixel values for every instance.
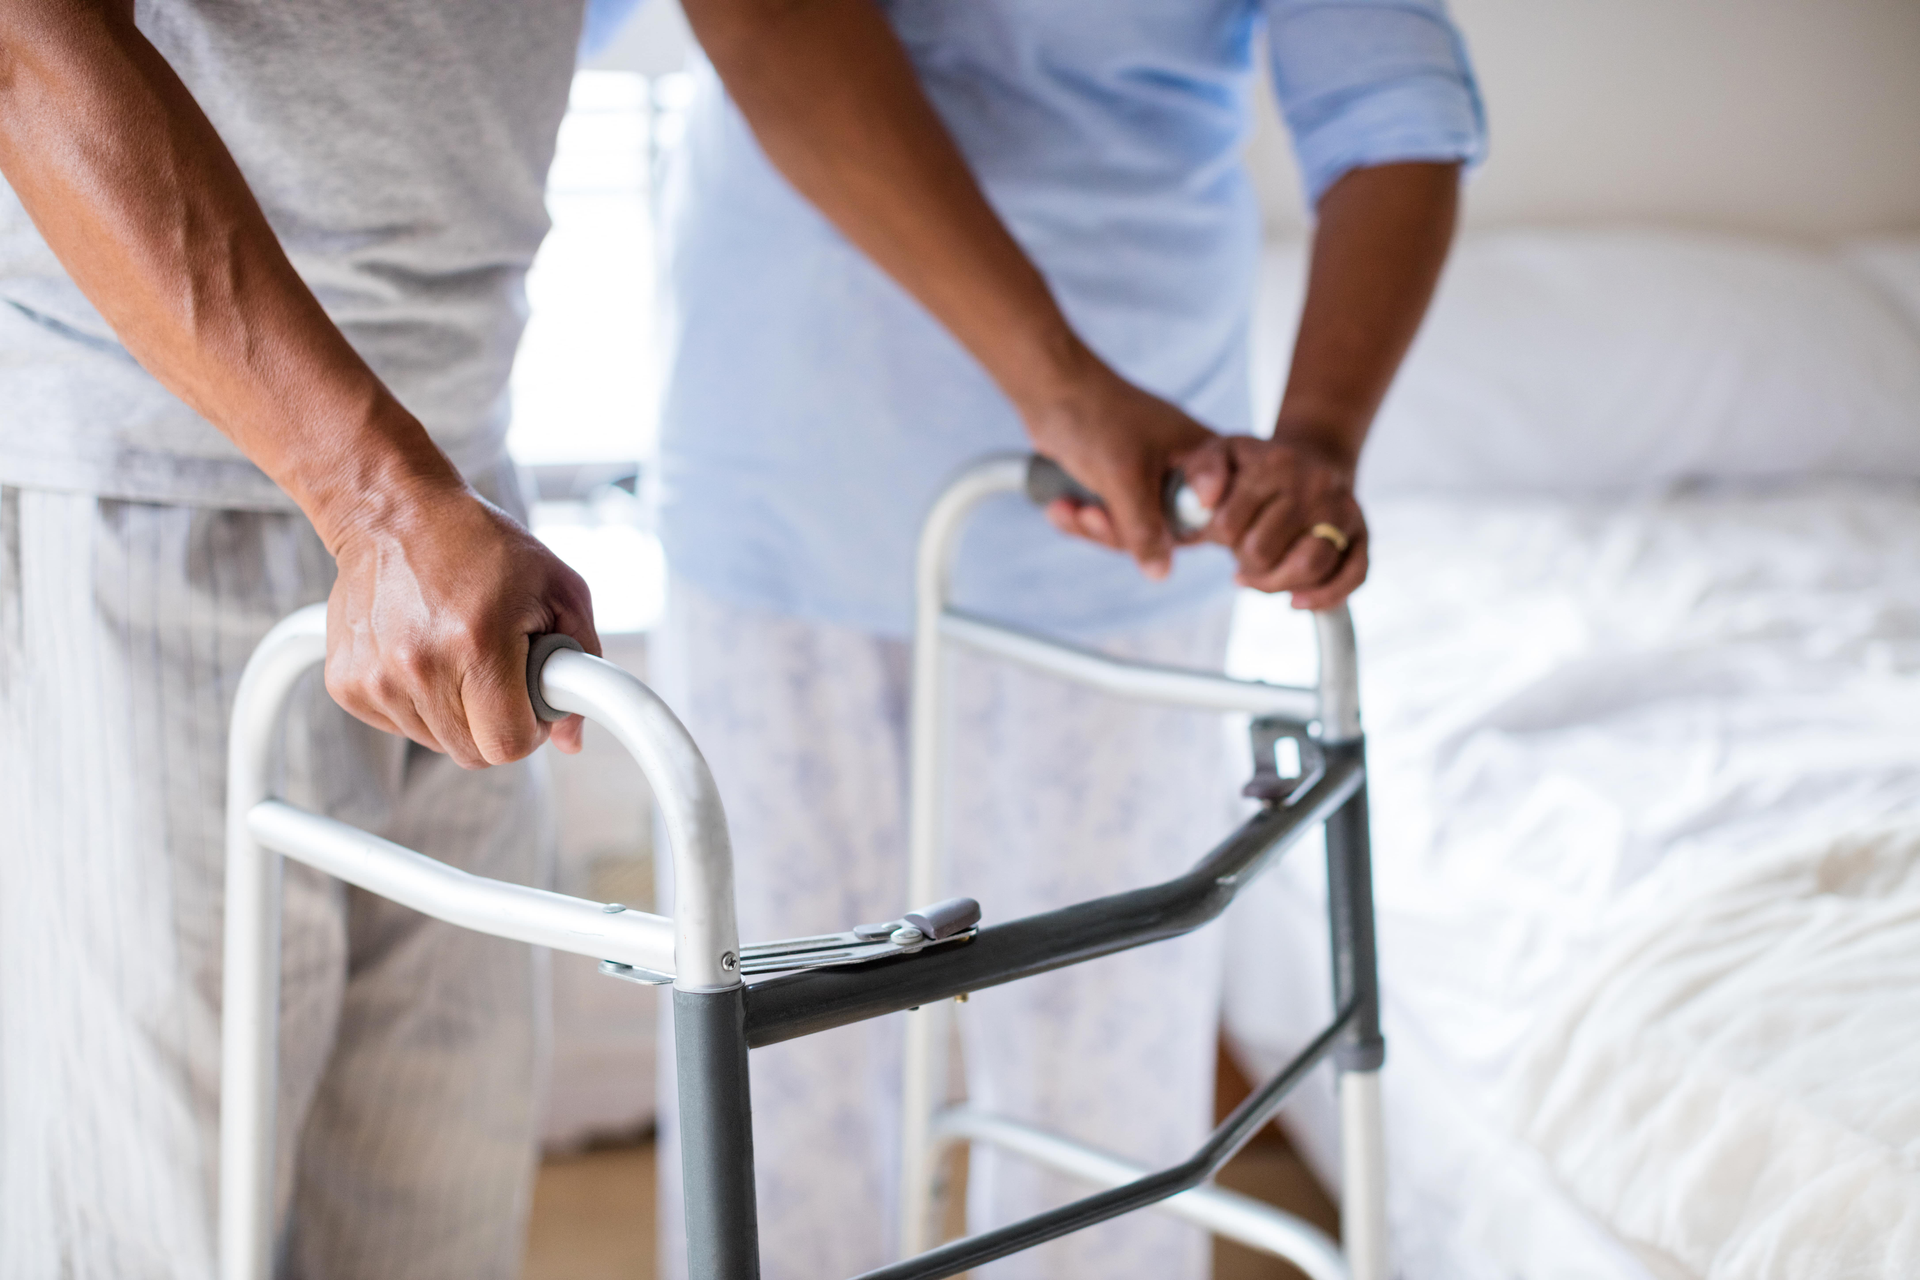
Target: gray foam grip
(542, 648)
(1048, 480)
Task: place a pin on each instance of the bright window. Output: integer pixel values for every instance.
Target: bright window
(586, 383)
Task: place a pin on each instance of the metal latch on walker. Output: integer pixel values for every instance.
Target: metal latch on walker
(950, 921)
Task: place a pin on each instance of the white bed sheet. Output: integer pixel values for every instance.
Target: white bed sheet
(1646, 805)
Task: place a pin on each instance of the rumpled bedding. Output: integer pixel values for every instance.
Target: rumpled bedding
(1734, 1086)
(1646, 802)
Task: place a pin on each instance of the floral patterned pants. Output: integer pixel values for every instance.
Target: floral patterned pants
(1057, 794)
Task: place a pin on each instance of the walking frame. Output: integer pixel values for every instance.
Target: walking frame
(918, 963)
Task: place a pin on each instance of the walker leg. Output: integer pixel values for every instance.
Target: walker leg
(249, 1052)
(1363, 1177)
(1350, 909)
(923, 1084)
(716, 1134)
(1363, 1206)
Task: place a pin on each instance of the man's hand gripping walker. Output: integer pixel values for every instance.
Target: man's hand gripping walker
(917, 962)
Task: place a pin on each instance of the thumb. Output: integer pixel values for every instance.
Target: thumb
(1141, 526)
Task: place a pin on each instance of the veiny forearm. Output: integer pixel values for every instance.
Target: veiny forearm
(833, 100)
(1381, 241)
(138, 197)
(437, 592)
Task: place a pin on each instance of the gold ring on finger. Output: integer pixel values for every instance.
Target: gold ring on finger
(1328, 533)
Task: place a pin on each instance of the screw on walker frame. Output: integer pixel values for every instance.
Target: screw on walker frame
(919, 961)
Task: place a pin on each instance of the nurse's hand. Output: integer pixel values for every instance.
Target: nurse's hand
(429, 623)
(1285, 508)
(1120, 442)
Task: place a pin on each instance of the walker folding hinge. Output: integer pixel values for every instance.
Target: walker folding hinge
(943, 922)
(1286, 762)
(954, 920)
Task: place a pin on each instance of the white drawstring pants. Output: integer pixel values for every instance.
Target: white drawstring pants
(409, 1057)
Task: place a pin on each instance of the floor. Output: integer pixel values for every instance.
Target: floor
(593, 1214)
(593, 1217)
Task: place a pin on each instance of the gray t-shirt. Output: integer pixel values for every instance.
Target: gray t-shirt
(400, 151)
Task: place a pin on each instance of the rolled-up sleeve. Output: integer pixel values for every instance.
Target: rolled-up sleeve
(1369, 82)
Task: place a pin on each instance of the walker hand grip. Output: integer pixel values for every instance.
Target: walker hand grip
(1186, 516)
(542, 648)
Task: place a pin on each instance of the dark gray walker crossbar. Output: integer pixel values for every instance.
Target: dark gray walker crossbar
(717, 1019)
(801, 1004)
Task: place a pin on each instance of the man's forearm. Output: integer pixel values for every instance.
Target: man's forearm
(835, 103)
(1286, 506)
(437, 592)
(136, 194)
(1381, 241)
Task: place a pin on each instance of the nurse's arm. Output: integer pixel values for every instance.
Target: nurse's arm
(833, 100)
(438, 591)
(1381, 239)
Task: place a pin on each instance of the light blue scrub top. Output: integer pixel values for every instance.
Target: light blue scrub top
(814, 410)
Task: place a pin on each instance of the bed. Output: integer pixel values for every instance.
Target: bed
(1641, 677)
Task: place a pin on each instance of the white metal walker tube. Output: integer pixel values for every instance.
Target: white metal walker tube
(698, 948)
(1226, 1213)
(250, 980)
(1363, 1176)
(923, 1086)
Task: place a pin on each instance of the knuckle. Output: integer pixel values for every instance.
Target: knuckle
(468, 636)
(1234, 517)
(383, 688)
(460, 748)
(342, 686)
(1267, 542)
(412, 660)
(509, 743)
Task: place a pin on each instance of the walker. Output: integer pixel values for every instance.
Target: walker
(918, 962)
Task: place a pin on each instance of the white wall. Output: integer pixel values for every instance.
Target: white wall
(1792, 117)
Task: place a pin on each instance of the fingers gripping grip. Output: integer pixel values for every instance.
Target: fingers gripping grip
(542, 648)
(1186, 515)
